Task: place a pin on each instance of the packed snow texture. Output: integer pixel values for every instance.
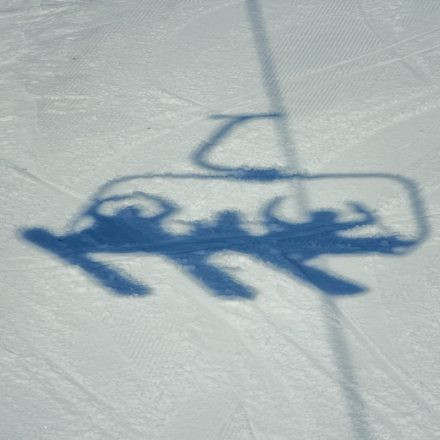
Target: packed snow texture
(220, 219)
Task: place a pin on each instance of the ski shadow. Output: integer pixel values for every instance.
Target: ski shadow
(289, 247)
(286, 246)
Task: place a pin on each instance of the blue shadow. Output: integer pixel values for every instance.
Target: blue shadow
(286, 246)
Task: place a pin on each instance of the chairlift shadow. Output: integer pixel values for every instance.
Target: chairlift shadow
(287, 246)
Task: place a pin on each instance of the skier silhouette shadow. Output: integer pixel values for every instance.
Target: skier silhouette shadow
(286, 246)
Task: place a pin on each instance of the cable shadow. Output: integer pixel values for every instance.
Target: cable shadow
(356, 408)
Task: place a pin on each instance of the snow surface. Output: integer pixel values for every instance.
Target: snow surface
(220, 219)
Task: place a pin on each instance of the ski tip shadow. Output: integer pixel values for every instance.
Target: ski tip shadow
(289, 247)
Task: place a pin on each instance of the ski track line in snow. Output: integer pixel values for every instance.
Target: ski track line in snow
(348, 387)
(217, 410)
(369, 67)
(397, 374)
(311, 57)
(138, 344)
(223, 327)
(159, 87)
(402, 57)
(131, 360)
(319, 98)
(144, 344)
(61, 398)
(417, 74)
(379, 37)
(227, 431)
(305, 353)
(98, 402)
(387, 365)
(129, 21)
(168, 132)
(345, 76)
(222, 324)
(361, 57)
(337, 340)
(22, 172)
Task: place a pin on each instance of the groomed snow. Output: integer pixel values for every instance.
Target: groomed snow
(219, 219)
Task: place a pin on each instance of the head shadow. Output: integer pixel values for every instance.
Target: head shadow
(290, 247)
(287, 246)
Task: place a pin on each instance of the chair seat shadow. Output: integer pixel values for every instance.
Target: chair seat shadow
(286, 246)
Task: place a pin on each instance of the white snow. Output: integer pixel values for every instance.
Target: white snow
(219, 219)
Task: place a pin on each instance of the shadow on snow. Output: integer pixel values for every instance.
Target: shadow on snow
(286, 246)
